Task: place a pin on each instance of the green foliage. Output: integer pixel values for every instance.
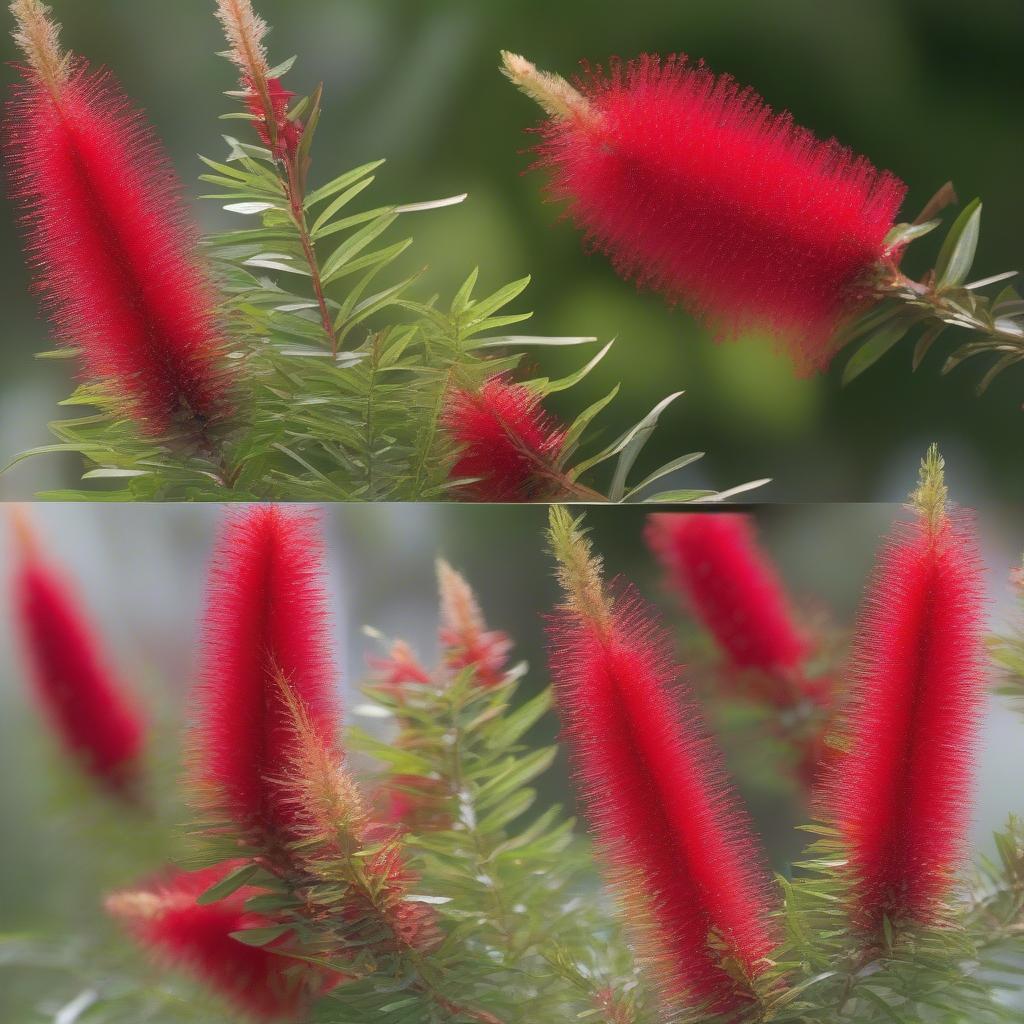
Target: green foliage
(943, 299)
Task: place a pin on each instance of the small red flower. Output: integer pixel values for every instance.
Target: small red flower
(398, 670)
(509, 447)
(266, 620)
(464, 636)
(288, 133)
(714, 564)
(114, 250)
(86, 704)
(901, 795)
(261, 982)
(695, 188)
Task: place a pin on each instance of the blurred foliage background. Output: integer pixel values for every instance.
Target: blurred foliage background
(929, 88)
(141, 572)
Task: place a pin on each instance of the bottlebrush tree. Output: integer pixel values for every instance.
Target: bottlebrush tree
(289, 359)
(694, 188)
(405, 870)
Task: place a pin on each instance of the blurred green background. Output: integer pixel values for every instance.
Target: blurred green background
(929, 88)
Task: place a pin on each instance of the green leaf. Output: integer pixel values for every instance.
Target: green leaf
(341, 182)
(957, 253)
(874, 348)
(669, 467)
(260, 936)
(231, 882)
(580, 424)
(925, 342)
(635, 441)
(549, 387)
(903, 234)
(677, 497)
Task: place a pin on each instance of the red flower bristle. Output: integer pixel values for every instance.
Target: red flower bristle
(87, 706)
(266, 620)
(509, 447)
(695, 188)
(716, 567)
(901, 795)
(261, 982)
(114, 252)
(679, 848)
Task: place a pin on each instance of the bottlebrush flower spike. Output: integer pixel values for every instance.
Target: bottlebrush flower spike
(901, 795)
(509, 446)
(266, 619)
(677, 844)
(261, 982)
(464, 635)
(694, 188)
(108, 234)
(266, 98)
(714, 564)
(87, 706)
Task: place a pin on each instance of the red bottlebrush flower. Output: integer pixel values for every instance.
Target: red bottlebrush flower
(262, 982)
(85, 703)
(464, 635)
(287, 133)
(399, 669)
(901, 794)
(509, 445)
(695, 188)
(678, 846)
(715, 565)
(114, 251)
(266, 621)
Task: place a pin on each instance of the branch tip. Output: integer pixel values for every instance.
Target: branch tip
(550, 91)
(580, 571)
(931, 496)
(38, 37)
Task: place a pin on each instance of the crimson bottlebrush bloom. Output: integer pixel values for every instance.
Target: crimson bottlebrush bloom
(901, 795)
(86, 704)
(509, 447)
(678, 845)
(266, 620)
(695, 188)
(261, 982)
(287, 133)
(398, 669)
(108, 234)
(715, 565)
(464, 636)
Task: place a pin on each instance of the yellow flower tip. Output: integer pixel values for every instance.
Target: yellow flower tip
(38, 37)
(931, 497)
(551, 92)
(245, 32)
(460, 610)
(580, 572)
(134, 906)
(22, 530)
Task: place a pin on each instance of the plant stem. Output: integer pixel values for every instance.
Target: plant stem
(296, 198)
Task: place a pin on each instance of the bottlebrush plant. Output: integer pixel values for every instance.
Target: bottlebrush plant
(290, 359)
(406, 871)
(694, 188)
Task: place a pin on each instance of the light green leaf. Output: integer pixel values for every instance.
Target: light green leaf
(957, 253)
